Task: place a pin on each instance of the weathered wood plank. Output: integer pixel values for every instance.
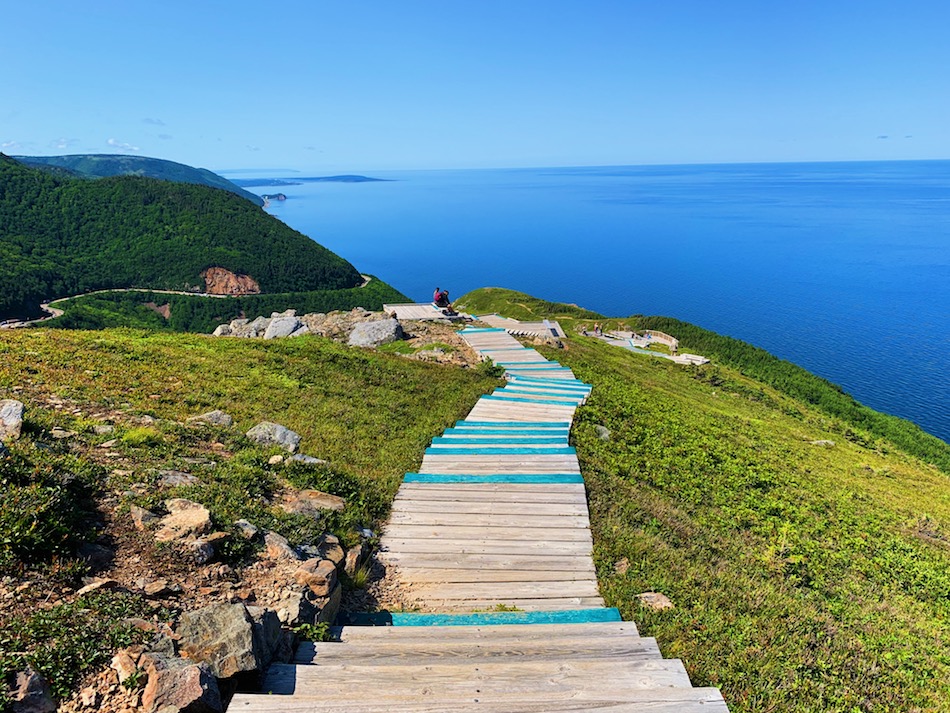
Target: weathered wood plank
(401, 517)
(506, 590)
(484, 562)
(450, 532)
(478, 633)
(481, 545)
(485, 507)
(419, 572)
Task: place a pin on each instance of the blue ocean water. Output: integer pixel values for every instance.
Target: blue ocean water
(843, 268)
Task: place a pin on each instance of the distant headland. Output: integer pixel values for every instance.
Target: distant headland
(257, 182)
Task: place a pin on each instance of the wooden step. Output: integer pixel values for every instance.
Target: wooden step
(481, 633)
(439, 651)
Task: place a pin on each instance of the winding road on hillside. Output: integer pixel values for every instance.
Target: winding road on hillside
(54, 312)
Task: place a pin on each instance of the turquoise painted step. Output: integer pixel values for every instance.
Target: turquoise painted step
(516, 424)
(501, 397)
(488, 451)
(477, 330)
(440, 440)
(536, 386)
(534, 379)
(567, 616)
(527, 393)
(530, 364)
(519, 478)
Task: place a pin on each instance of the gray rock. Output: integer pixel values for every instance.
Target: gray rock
(97, 556)
(236, 324)
(267, 433)
(603, 433)
(374, 334)
(301, 331)
(11, 419)
(215, 418)
(331, 549)
(271, 641)
(311, 502)
(309, 460)
(281, 327)
(179, 685)
(202, 551)
(222, 636)
(222, 330)
(304, 607)
(256, 328)
(285, 313)
(31, 694)
(823, 444)
(174, 478)
(4, 451)
(247, 530)
(103, 429)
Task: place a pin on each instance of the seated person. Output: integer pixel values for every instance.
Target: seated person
(442, 300)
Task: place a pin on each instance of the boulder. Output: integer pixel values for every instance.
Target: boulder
(222, 330)
(603, 433)
(246, 529)
(318, 575)
(311, 502)
(281, 327)
(11, 419)
(374, 334)
(214, 418)
(256, 328)
(278, 548)
(331, 549)
(222, 636)
(271, 640)
(178, 685)
(185, 519)
(124, 663)
(31, 694)
(304, 607)
(823, 443)
(300, 331)
(267, 433)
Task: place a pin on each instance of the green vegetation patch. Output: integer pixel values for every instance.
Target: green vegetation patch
(804, 577)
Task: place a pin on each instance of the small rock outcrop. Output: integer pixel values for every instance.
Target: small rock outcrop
(282, 327)
(311, 502)
(374, 334)
(11, 419)
(222, 636)
(603, 433)
(32, 694)
(185, 519)
(176, 684)
(655, 601)
(267, 433)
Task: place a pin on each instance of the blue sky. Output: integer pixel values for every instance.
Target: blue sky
(381, 84)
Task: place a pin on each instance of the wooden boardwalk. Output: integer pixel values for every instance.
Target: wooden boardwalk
(546, 328)
(492, 535)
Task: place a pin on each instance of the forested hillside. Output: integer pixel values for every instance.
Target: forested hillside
(106, 165)
(63, 236)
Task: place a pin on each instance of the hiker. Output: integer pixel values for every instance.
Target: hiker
(436, 296)
(441, 299)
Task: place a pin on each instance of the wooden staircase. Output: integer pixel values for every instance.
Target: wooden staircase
(496, 519)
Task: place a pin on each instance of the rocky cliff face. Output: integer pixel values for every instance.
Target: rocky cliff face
(219, 281)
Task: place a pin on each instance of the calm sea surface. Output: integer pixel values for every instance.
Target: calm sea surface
(843, 268)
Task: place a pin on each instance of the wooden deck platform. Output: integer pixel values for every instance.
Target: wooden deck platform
(492, 535)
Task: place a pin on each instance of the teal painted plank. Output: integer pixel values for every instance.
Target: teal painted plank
(552, 384)
(516, 424)
(508, 440)
(502, 432)
(527, 393)
(501, 397)
(530, 364)
(522, 478)
(568, 616)
(489, 451)
(479, 330)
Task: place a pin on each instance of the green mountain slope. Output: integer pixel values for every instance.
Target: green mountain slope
(65, 236)
(106, 165)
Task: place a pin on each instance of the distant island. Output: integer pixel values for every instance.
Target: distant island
(257, 182)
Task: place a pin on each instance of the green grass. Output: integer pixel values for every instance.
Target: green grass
(804, 578)
(369, 415)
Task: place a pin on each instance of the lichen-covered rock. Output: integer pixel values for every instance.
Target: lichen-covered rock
(222, 636)
(603, 433)
(374, 334)
(215, 418)
(267, 433)
(655, 601)
(11, 419)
